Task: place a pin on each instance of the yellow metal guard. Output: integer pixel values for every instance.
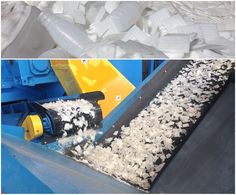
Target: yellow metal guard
(33, 127)
(82, 76)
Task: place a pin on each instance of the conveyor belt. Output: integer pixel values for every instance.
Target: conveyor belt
(149, 92)
(206, 162)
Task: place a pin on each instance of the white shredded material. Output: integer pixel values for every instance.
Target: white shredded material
(88, 136)
(140, 152)
(70, 112)
(69, 109)
(136, 23)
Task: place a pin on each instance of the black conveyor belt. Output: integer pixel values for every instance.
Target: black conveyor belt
(205, 164)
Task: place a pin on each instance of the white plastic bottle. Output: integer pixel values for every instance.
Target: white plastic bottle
(71, 37)
(121, 19)
(126, 15)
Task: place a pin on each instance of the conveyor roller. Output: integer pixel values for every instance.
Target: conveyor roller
(64, 117)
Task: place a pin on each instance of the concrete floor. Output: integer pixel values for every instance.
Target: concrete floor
(206, 162)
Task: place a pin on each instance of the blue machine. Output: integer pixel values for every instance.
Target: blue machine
(28, 79)
(30, 167)
(142, 69)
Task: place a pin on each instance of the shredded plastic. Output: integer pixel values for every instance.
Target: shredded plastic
(72, 113)
(138, 152)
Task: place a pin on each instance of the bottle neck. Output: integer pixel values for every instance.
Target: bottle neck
(45, 18)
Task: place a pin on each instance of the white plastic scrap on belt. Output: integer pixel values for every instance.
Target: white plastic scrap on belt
(144, 146)
(91, 28)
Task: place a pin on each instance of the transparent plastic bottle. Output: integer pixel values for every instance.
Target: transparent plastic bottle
(31, 41)
(71, 37)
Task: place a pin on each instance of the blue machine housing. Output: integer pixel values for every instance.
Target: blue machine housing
(142, 69)
(29, 72)
(28, 80)
(126, 67)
